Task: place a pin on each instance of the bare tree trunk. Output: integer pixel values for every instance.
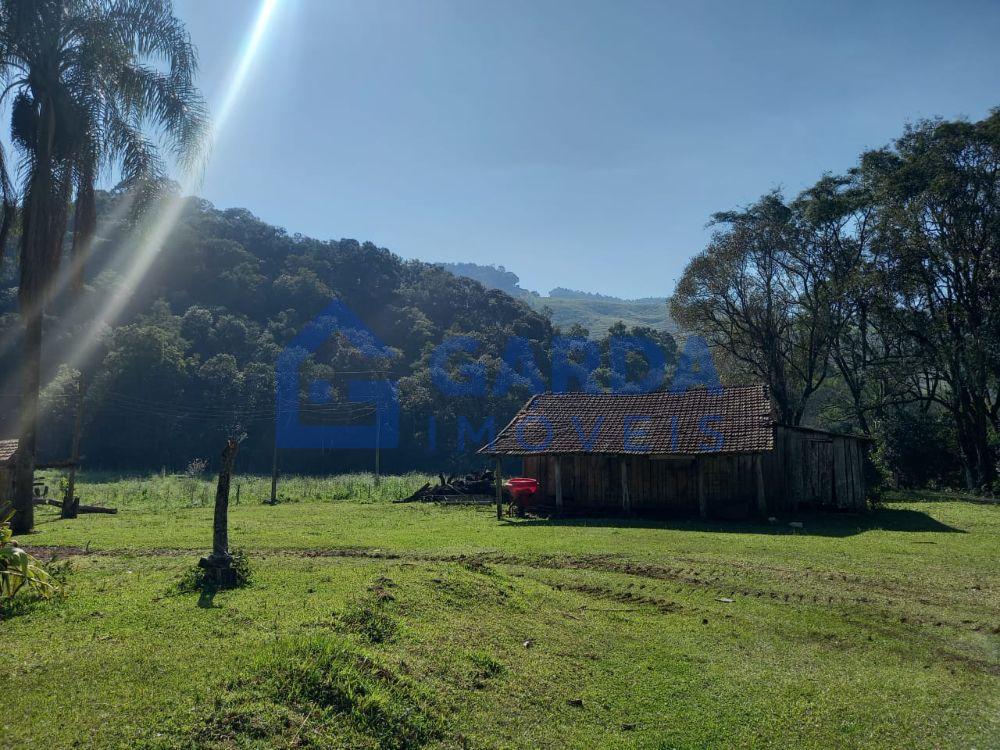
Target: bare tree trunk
(218, 566)
(220, 528)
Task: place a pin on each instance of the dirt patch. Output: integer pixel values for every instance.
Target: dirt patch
(969, 663)
(622, 597)
(48, 552)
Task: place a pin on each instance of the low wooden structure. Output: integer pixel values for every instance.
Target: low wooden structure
(8, 461)
(696, 452)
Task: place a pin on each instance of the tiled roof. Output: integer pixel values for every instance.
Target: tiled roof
(7, 449)
(738, 420)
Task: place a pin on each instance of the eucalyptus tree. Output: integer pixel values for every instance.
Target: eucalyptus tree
(873, 361)
(762, 300)
(92, 85)
(937, 197)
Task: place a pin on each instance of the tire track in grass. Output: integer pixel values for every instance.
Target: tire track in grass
(711, 578)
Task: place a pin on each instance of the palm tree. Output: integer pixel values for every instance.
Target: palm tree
(86, 81)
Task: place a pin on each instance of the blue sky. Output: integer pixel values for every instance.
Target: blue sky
(580, 144)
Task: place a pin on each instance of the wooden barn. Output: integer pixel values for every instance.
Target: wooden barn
(696, 452)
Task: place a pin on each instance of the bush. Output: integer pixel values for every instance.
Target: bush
(19, 571)
(919, 447)
(195, 578)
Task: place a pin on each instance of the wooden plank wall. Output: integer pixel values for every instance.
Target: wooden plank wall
(812, 469)
(805, 469)
(655, 485)
(6, 482)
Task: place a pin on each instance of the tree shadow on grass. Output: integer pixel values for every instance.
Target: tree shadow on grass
(19, 606)
(813, 523)
(206, 599)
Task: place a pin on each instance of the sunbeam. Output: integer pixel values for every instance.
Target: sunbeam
(60, 281)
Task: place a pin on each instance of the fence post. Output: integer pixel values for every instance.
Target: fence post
(498, 478)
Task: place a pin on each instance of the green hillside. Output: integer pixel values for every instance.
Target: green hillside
(597, 315)
(595, 312)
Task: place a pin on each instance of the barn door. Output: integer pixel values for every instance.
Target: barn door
(819, 472)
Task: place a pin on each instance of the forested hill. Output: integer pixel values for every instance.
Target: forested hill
(194, 353)
(596, 313)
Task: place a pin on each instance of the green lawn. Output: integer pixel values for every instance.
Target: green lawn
(370, 624)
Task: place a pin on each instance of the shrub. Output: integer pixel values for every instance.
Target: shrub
(919, 448)
(485, 665)
(195, 579)
(19, 571)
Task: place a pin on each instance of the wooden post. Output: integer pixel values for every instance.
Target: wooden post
(274, 468)
(702, 501)
(69, 509)
(498, 479)
(626, 500)
(793, 466)
(758, 470)
(559, 487)
(378, 444)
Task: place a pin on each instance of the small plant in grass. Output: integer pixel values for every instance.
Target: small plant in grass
(196, 468)
(484, 667)
(193, 475)
(20, 572)
(195, 579)
(368, 618)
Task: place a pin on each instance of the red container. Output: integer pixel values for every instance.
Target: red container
(521, 488)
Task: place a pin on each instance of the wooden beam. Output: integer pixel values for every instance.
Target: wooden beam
(79, 508)
(758, 470)
(57, 465)
(498, 478)
(559, 487)
(626, 500)
(702, 501)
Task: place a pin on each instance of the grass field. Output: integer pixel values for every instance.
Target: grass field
(369, 624)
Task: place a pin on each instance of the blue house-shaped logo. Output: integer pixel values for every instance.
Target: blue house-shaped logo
(380, 394)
